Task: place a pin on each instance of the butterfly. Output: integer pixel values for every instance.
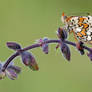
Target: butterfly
(80, 26)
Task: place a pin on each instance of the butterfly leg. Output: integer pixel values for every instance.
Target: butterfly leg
(74, 35)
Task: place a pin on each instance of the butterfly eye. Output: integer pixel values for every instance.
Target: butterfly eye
(72, 20)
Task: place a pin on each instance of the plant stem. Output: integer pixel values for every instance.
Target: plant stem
(35, 46)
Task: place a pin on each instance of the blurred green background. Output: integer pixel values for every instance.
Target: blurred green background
(24, 21)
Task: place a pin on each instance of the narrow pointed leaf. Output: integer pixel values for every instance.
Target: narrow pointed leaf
(90, 55)
(65, 51)
(13, 45)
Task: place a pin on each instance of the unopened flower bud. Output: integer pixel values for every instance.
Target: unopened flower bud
(45, 45)
(62, 34)
(29, 60)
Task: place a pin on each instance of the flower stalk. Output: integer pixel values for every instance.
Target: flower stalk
(36, 46)
(29, 60)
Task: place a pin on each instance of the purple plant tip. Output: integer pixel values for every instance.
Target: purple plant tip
(13, 45)
(29, 60)
(45, 46)
(11, 71)
(11, 74)
(65, 51)
(80, 48)
(90, 55)
(62, 34)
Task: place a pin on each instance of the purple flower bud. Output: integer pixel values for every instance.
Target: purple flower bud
(13, 45)
(80, 48)
(45, 45)
(62, 34)
(26, 58)
(11, 74)
(65, 51)
(29, 60)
